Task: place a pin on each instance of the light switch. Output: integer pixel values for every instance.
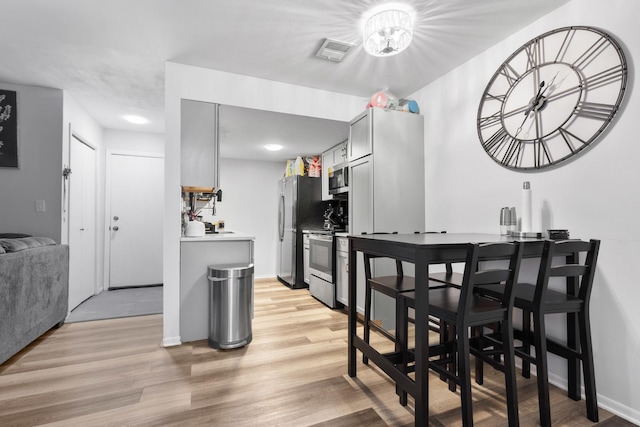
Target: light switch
(40, 206)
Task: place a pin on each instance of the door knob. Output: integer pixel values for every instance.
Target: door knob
(115, 218)
(115, 228)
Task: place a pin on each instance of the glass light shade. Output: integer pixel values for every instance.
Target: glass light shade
(387, 32)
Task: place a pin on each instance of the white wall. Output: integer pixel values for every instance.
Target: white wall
(201, 84)
(250, 205)
(136, 142)
(39, 175)
(594, 195)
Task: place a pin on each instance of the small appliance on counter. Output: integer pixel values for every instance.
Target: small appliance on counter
(334, 218)
(194, 229)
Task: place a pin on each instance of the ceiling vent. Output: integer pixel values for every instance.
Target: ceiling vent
(334, 50)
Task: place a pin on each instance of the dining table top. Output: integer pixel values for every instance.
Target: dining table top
(442, 246)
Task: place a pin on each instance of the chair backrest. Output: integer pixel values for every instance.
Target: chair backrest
(369, 257)
(448, 266)
(476, 275)
(576, 272)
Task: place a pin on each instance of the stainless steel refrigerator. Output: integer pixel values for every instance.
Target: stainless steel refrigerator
(300, 207)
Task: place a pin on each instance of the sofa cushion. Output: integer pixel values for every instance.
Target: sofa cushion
(16, 245)
(13, 235)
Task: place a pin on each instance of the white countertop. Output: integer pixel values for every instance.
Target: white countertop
(226, 235)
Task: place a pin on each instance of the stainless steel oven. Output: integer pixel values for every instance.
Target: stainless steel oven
(321, 258)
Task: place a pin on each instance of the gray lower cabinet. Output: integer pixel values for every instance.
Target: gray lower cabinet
(342, 271)
(305, 246)
(195, 256)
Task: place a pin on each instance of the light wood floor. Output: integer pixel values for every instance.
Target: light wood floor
(115, 373)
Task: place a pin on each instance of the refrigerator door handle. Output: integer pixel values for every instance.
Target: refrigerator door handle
(281, 218)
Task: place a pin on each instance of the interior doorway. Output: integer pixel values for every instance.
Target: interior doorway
(134, 211)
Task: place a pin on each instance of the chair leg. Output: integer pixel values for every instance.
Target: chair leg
(478, 332)
(402, 332)
(542, 375)
(452, 365)
(511, 386)
(587, 366)
(367, 319)
(573, 365)
(526, 342)
(464, 376)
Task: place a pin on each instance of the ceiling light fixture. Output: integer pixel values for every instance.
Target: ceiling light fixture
(273, 147)
(137, 120)
(387, 31)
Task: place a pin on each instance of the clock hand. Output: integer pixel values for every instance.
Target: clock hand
(531, 106)
(541, 91)
(550, 84)
(535, 101)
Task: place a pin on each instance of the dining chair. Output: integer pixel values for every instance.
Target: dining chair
(391, 286)
(464, 309)
(536, 301)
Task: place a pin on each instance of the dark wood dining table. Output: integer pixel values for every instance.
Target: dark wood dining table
(421, 250)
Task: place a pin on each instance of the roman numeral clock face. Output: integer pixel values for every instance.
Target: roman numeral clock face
(552, 97)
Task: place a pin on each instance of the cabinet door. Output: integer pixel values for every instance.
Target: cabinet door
(340, 153)
(305, 245)
(342, 270)
(360, 136)
(327, 163)
(199, 144)
(360, 212)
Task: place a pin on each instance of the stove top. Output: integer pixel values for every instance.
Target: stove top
(323, 231)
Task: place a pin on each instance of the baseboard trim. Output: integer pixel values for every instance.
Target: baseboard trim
(630, 414)
(171, 341)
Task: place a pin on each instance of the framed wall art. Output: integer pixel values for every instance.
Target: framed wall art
(8, 129)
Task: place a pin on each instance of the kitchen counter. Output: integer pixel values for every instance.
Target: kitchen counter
(196, 254)
(225, 235)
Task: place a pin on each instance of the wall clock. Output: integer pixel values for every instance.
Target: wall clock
(552, 97)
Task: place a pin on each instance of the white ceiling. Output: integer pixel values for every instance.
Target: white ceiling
(110, 55)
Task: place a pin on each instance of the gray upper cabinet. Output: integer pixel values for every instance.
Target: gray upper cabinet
(360, 135)
(199, 144)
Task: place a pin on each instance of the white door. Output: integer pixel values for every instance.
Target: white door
(82, 223)
(135, 219)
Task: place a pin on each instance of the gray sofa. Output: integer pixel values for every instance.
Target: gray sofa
(34, 290)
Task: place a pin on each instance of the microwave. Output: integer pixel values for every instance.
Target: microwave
(339, 178)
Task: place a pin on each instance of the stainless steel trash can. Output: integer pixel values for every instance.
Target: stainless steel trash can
(230, 305)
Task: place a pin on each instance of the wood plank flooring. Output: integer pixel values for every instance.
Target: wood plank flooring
(294, 373)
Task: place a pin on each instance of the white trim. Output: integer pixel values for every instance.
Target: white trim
(107, 204)
(171, 341)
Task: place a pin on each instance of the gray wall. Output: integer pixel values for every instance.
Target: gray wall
(39, 176)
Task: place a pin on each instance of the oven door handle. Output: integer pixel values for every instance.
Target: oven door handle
(321, 237)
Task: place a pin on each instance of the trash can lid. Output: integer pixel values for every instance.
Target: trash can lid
(230, 270)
